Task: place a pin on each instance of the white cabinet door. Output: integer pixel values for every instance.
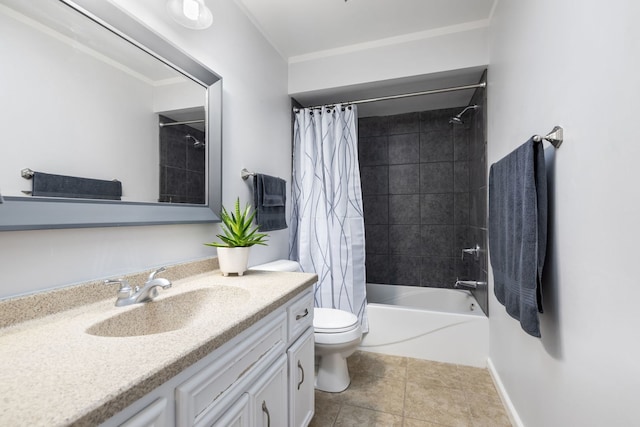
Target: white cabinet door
(269, 396)
(301, 380)
(237, 415)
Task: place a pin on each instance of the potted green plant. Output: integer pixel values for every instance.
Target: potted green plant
(238, 237)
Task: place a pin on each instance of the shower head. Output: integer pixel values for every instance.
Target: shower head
(196, 142)
(457, 120)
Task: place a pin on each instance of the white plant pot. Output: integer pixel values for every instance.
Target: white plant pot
(233, 260)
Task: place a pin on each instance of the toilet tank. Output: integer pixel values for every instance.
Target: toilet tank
(278, 265)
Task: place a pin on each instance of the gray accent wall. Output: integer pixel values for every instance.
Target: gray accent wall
(424, 196)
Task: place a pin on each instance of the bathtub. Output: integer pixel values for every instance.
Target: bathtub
(445, 325)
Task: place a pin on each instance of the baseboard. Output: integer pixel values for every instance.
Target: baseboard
(508, 404)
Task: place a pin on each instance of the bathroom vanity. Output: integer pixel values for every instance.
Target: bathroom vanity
(215, 351)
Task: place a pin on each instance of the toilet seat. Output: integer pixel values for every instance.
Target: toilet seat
(332, 321)
(338, 338)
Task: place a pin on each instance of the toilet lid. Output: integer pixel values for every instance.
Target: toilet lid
(329, 320)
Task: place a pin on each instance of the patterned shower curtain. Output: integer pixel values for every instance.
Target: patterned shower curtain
(327, 223)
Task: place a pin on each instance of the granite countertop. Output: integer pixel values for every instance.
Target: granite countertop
(54, 373)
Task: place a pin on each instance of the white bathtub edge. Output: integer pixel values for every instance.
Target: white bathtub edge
(512, 413)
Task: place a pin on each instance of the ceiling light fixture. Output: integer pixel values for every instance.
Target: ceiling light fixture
(193, 14)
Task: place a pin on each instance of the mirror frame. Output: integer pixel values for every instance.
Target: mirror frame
(27, 213)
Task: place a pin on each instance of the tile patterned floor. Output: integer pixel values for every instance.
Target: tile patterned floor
(403, 392)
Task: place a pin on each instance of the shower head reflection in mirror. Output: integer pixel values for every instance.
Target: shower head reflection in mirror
(196, 142)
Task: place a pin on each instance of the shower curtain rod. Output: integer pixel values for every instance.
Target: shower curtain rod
(404, 95)
(187, 122)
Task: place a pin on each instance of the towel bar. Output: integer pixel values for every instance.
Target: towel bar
(555, 137)
(53, 185)
(244, 173)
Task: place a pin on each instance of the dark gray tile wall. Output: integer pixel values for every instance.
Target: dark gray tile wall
(424, 194)
(182, 166)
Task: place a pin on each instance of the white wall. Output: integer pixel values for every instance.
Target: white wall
(387, 61)
(560, 62)
(256, 135)
(174, 95)
(52, 122)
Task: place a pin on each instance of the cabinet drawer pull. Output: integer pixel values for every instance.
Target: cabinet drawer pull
(266, 411)
(300, 316)
(301, 369)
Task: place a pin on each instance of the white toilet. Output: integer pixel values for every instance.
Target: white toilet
(337, 335)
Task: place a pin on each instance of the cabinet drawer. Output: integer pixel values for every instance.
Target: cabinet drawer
(205, 388)
(300, 315)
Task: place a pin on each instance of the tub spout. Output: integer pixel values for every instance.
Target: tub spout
(468, 284)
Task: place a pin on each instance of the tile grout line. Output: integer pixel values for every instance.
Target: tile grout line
(465, 392)
(335, 420)
(464, 385)
(406, 381)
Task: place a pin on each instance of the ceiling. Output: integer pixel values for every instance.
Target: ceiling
(301, 29)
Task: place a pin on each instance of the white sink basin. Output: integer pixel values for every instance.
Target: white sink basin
(170, 313)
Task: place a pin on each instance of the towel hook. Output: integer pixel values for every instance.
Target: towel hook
(244, 173)
(555, 137)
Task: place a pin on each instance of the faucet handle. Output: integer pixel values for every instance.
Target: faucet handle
(475, 251)
(125, 290)
(153, 273)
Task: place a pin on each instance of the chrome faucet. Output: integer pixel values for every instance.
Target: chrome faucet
(128, 295)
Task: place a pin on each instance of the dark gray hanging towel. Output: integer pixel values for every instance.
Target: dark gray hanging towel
(50, 185)
(518, 232)
(269, 197)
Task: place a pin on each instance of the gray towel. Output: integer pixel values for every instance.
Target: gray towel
(518, 232)
(269, 196)
(50, 185)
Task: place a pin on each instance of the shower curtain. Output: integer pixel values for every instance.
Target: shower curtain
(327, 222)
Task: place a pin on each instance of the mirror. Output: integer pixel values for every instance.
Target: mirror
(90, 99)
